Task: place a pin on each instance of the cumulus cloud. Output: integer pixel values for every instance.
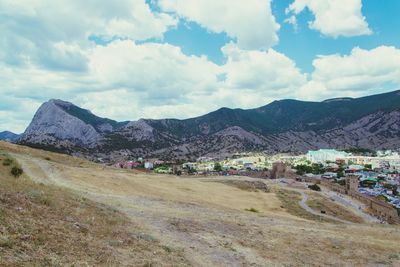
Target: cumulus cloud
(163, 82)
(268, 72)
(359, 73)
(53, 34)
(159, 70)
(334, 18)
(250, 22)
(293, 21)
(125, 80)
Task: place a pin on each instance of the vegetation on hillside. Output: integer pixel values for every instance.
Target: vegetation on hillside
(314, 168)
(89, 118)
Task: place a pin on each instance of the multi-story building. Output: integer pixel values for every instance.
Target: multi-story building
(324, 155)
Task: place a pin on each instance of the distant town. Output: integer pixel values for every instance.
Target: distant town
(377, 172)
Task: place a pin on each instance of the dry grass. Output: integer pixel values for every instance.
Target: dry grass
(321, 203)
(43, 225)
(251, 186)
(206, 222)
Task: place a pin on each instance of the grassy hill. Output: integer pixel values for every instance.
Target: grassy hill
(45, 225)
(79, 212)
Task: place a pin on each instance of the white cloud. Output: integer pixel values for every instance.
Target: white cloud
(360, 73)
(251, 22)
(267, 73)
(159, 70)
(53, 33)
(125, 81)
(334, 18)
(293, 21)
(160, 81)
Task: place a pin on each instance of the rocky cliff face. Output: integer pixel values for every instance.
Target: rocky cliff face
(53, 124)
(282, 126)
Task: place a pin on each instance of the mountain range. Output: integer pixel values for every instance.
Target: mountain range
(293, 126)
(8, 136)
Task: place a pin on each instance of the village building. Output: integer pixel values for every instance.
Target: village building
(324, 155)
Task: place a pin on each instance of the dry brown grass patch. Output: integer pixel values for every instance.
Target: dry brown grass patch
(321, 203)
(43, 225)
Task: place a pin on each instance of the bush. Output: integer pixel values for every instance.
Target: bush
(252, 210)
(314, 187)
(16, 171)
(7, 162)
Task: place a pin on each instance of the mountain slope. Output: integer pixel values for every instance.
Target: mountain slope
(8, 136)
(61, 123)
(282, 126)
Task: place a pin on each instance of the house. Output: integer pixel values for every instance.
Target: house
(148, 165)
(354, 169)
(189, 165)
(131, 164)
(329, 175)
(248, 165)
(332, 167)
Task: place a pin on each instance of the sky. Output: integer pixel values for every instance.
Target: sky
(132, 59)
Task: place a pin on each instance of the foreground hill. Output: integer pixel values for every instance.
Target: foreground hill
(283, 126)
(42, 224)
(172, 221)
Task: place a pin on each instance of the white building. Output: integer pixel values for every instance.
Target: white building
(323, 155)
(149, 165)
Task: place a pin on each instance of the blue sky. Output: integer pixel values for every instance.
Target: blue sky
(302, 45)
(182, 58)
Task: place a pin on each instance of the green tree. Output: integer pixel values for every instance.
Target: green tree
(218, 167)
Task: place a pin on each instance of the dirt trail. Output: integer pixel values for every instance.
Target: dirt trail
(303, 204)
(354, 205)
(208, 221)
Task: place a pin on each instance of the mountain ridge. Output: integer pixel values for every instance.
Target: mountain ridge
(8, 136)
(281, 126)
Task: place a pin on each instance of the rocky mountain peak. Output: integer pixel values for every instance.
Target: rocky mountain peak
(52, 123)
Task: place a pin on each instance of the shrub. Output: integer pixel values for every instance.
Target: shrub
(16, 171)
(39, 198)
(252, 210)
(314, 187)
(7, 162)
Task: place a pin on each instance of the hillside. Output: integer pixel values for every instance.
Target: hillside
(8, 136)
(173, 221)
(48, 225)
(282, 126)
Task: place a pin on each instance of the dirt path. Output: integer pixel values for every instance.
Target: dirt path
(356, 206)
(346, 202)
(303, 204)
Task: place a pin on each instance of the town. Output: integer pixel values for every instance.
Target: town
(377, 173)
